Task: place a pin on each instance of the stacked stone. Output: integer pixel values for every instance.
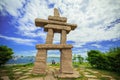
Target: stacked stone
(54, 24)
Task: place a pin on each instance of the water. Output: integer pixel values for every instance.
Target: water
(24, 60)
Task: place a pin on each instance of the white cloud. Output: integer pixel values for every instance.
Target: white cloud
(19, 40)
(11, 6)
(96, 45)
(92, 18)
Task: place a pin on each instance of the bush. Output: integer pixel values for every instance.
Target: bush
(109, 60)
(80, 59)
(114, 59)
(5, 54)
(93, 57)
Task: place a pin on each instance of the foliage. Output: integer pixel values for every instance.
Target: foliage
(74, 58)
(93, 57)
(109, 60)
(80, 59)
(5, 54)
(114, 59)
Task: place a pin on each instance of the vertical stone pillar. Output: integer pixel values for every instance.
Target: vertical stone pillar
(66, 61)
(40, 62)
(63, 37)
(50, 36)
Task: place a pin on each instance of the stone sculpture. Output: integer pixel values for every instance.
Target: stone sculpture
(55, 24)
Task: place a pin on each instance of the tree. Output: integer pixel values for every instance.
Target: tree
(80, 59)
(74, 58)
(114, 59)
(108, 61)
(5, 54)
(93, 57)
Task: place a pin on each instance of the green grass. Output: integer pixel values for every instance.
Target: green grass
(38, 75)
(110, 73)
(9, 71)
(57, 64)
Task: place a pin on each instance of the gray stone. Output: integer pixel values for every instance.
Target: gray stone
(18, 73)
(53, 46)
(23, 77)
(5, 78)
(52, 25)
(106, 76)
(75, 74)
(54, 18)
(90, 76)
(86, 73)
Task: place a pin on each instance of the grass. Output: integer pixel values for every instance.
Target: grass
(38, 75)
(8, 70)
(57, 64)
(110, 73)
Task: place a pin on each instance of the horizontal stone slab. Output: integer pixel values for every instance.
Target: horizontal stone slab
(75, 74)
(62, 19)
(57, 28)
(53, 46)
(42, 22)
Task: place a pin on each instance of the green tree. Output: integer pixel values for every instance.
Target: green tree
(108, 61)
(5, 54)
(93, 57)
(74, 58)
(80, 59)
(114, 59)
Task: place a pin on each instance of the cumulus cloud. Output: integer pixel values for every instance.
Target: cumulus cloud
(92, 17)
(19, 40)
(96, 45)
(11, 6)
(88, 15)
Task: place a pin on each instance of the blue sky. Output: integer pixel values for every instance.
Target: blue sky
(98, 24)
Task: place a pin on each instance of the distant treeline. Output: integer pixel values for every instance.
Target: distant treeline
(109, 60)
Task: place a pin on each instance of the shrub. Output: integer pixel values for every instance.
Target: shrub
(109, 60)
(5, 54)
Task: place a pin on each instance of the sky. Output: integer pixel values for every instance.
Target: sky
(98, 24)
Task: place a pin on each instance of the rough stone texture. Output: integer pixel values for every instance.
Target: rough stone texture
(57, 28)
(63, 37)
(52, 25)
(23, 77)
(42, 22)
(90, 76)
(50, 36)
(53, 46)
(40, 62)
(5, 78)
(54, 18)
(87, 73)
(56, 12)
(50, 75)
(66, 61)
(18, 73)
(75, 74)
(106, 76)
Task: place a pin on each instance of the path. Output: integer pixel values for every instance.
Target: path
(23, 73)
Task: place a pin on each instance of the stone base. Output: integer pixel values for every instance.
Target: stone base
(66, 61)
(40, 62)
(75, 74)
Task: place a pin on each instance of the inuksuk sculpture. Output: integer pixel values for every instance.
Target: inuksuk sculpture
(54, 24)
